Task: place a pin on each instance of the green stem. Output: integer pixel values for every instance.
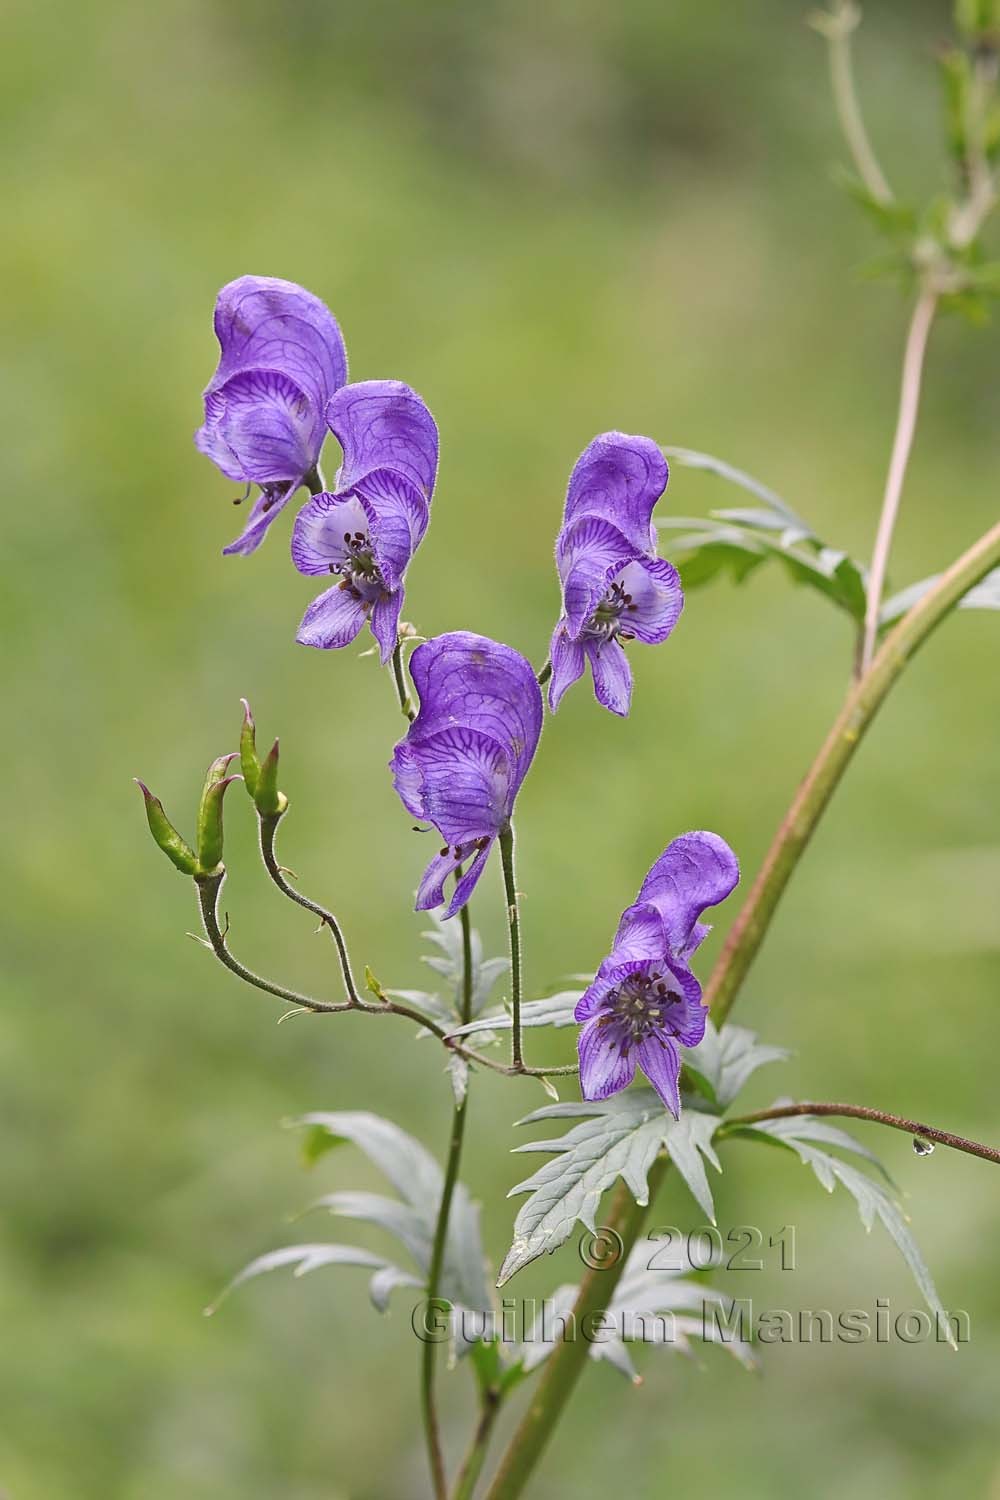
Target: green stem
(544, 674)
(878, 1116)
(399, 678)
(514, 925)
(429, 1348)
(837, 27)
(472, 1464)
(810, 801)
(568, 1359)
(268, 830)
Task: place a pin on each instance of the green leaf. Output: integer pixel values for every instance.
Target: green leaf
(801, 1134)
(417, 1178)
(554, 1010)
(724, 1060)
(449, 962)
(650, 1306)
(985, 595)
(306, 1258)
(739, 540)
(619, 1137)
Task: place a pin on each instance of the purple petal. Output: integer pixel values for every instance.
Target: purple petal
(589, 553)
(660, 1060)
(592, 1002)
(320, 526)
(397, 516)
(568, 661)
(657, 599)
(266, 421)
(612, 675)
(264, 323)
(607, 1059)
(696, 871)
(458, 779)
(470, 680)
(266, 508)
(385, 623)
(431, 892)
(332, 620)
(384, 424)
(619, 478)
(640, 935)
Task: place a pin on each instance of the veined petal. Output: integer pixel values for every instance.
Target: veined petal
(321, 526)
(458, 779)
(640, 935)
(660, 1060)
(332, 620)
(385, 622)
(657, 598)
(266, 421)
(607, 1058)
(568, 661)
(619, 478)
(593, 1000)
(612, 675)
(266, 508)
(397, 516)
(431, 892)
(262, 322)
(384, 424)
(470, 680)
(696, 871)
(589, 553)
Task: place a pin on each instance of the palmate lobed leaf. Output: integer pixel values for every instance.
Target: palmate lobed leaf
(618, 1137)
(985, 595)
(554, 1010)
(806, 1136)
(664, 1306)
(306, 1258)
(725, 1060)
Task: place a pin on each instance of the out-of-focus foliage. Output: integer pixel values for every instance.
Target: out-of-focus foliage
(550, 220)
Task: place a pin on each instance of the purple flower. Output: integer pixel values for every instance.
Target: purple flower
(367, 531)
(466, 752)
(282, 359)
(645, 1003)
(614, 586)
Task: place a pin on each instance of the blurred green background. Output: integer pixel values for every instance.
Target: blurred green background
(551, 220)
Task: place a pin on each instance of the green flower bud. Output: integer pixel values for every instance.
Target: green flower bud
(270, 802)
(249, 759)
(165, 834)
(210, 815)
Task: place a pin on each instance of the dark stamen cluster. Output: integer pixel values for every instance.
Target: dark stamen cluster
(606, 621)
(359, 570)
(643, 1003)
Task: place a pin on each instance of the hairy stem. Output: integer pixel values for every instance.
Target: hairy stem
(799, 823)
(208, 899)
(268, 831)
(544, 675)
(902, 443)
(399, 678)
(879, 1117)
(429, 1348)
(837, 26)
(514, 925)
(568, 1359)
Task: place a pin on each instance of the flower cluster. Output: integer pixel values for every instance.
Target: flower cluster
(280, 386)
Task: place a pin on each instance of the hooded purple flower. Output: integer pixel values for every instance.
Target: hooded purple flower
(644, 1003)
(282, 359)
(466, 752)
(367, 531)
(614, 586)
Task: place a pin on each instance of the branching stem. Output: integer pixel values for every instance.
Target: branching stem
(915, 1128)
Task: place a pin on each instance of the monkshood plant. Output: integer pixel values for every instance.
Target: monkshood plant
(474, 711)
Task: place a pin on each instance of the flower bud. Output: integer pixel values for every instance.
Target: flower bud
(165, 834)
(978, 20)
(210, 815)
(270, 802)
(249, 759)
